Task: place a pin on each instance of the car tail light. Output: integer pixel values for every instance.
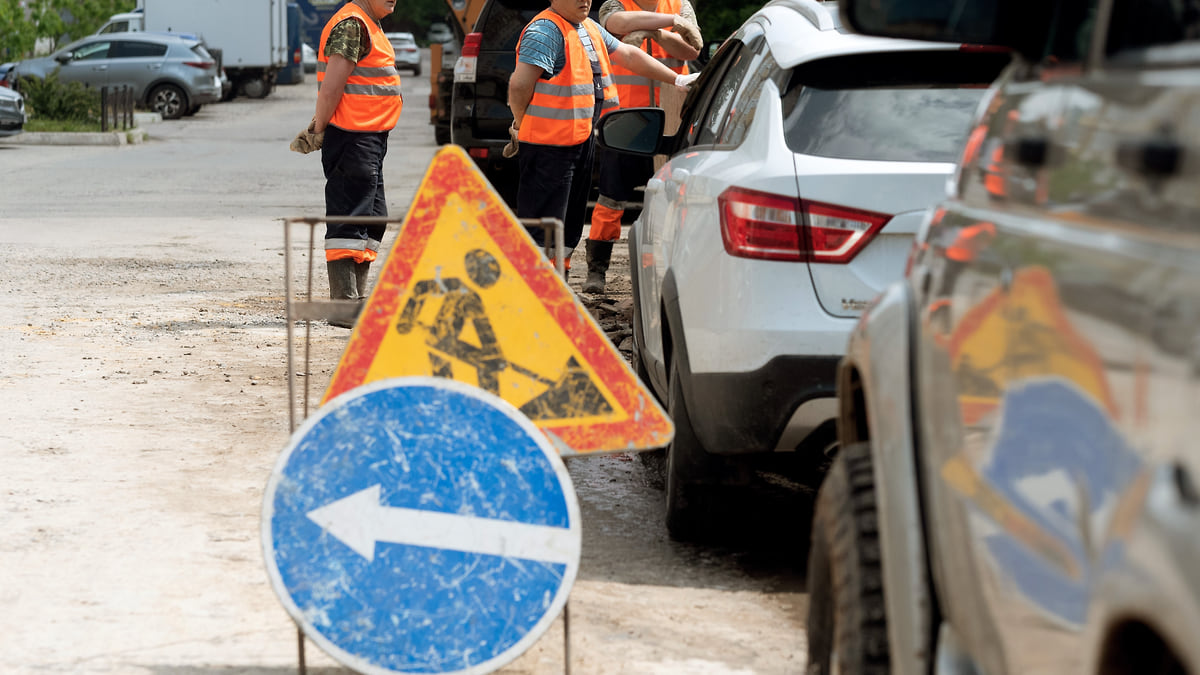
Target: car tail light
(471, 44)
(776, 227)
(202, 65)
(480, 153)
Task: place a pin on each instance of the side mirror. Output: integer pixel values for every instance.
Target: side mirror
(636, 131)
(64, 58)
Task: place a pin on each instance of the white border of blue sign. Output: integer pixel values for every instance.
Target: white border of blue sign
(574, 530)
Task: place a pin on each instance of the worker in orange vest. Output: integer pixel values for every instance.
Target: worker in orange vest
(358, 104)
(562, 83)
(666, 30)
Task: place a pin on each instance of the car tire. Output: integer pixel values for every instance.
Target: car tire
(692, 501)
(417, 71)
(169, 101)
(192, 111)
(847, 621)
(441, 134)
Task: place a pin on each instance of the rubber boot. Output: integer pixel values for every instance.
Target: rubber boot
(360, 278)
(343, 285)
(599, 254)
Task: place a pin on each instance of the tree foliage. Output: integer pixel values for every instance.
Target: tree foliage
(23, 22)
(718, 19)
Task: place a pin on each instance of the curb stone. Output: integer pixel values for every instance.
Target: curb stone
(132, 136)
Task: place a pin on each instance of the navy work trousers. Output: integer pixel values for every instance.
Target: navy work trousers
(555, 181)
(353, 164)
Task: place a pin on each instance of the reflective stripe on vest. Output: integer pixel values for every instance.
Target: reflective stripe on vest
(560, 112)
(633, 89)
(371, 100)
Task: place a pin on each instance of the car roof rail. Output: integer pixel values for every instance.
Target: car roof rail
(819, 13)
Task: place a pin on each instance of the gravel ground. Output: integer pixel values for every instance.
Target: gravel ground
(144, 380)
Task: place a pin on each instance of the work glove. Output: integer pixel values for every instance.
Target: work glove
(684, 82)
(689, 31)
(637, 37)
(307, 141)
(514, 145)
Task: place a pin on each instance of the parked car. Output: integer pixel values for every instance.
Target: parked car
(1017, 486)
(12, 112)
(308, 56)
(5, 69)
(170, 75)
(408, 54)
(804, 162)
(439, 32)
(479, 114)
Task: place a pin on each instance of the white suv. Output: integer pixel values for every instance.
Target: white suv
(805, 160)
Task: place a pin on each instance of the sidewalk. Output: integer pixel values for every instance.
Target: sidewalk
(132, 136)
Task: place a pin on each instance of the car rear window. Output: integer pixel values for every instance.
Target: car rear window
(894, 106)
(502, 21)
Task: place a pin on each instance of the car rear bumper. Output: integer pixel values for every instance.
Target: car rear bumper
(789, 391)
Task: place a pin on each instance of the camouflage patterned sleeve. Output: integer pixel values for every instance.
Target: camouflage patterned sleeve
(609, 8)
(348, 39)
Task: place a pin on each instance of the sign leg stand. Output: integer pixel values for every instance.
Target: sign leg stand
(303, 669)
(567, 639)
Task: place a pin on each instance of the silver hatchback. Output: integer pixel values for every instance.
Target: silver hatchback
(169, 74)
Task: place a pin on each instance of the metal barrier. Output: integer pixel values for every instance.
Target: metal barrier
(307, 308)
(116, 108)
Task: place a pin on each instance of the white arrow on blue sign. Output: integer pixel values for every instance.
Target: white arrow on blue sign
(420, 525)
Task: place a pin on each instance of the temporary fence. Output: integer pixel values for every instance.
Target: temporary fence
(116, 108)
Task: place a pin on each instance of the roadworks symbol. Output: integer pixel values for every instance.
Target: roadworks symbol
(459, 311)
(464, 294)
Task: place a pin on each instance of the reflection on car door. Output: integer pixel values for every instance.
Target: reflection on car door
(135, 64)
(89, 65)
(1042, 436)
(667, 192)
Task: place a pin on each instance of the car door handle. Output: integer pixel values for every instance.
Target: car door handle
(1159, 157)
(654, 185)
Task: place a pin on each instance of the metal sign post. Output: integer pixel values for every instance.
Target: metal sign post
(421, 525)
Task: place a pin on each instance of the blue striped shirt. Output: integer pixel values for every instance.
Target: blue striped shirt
(542, 46)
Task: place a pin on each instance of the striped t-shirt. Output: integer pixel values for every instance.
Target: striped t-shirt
(542, 46)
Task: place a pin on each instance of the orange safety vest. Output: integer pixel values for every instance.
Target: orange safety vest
(970, 241)
(372, 99)
(634, 90)
(560, 112)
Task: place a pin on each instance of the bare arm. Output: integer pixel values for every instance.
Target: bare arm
(624, 23)
(520, 90)
(628, 56)
(332, 88)
(675, 45)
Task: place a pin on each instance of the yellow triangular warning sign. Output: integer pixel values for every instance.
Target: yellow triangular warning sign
(465, 294)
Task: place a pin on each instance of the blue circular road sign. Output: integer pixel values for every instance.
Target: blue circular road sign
(420, 525)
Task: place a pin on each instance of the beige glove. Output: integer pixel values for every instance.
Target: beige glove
(307, 141)
(689, 31)
(514, 144)
(637, 37)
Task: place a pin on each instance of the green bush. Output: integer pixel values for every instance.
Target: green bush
(53, 99)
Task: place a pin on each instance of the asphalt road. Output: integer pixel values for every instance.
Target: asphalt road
(145, 389)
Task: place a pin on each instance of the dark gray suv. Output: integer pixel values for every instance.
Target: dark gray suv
(479, 117)
(1016, 488)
